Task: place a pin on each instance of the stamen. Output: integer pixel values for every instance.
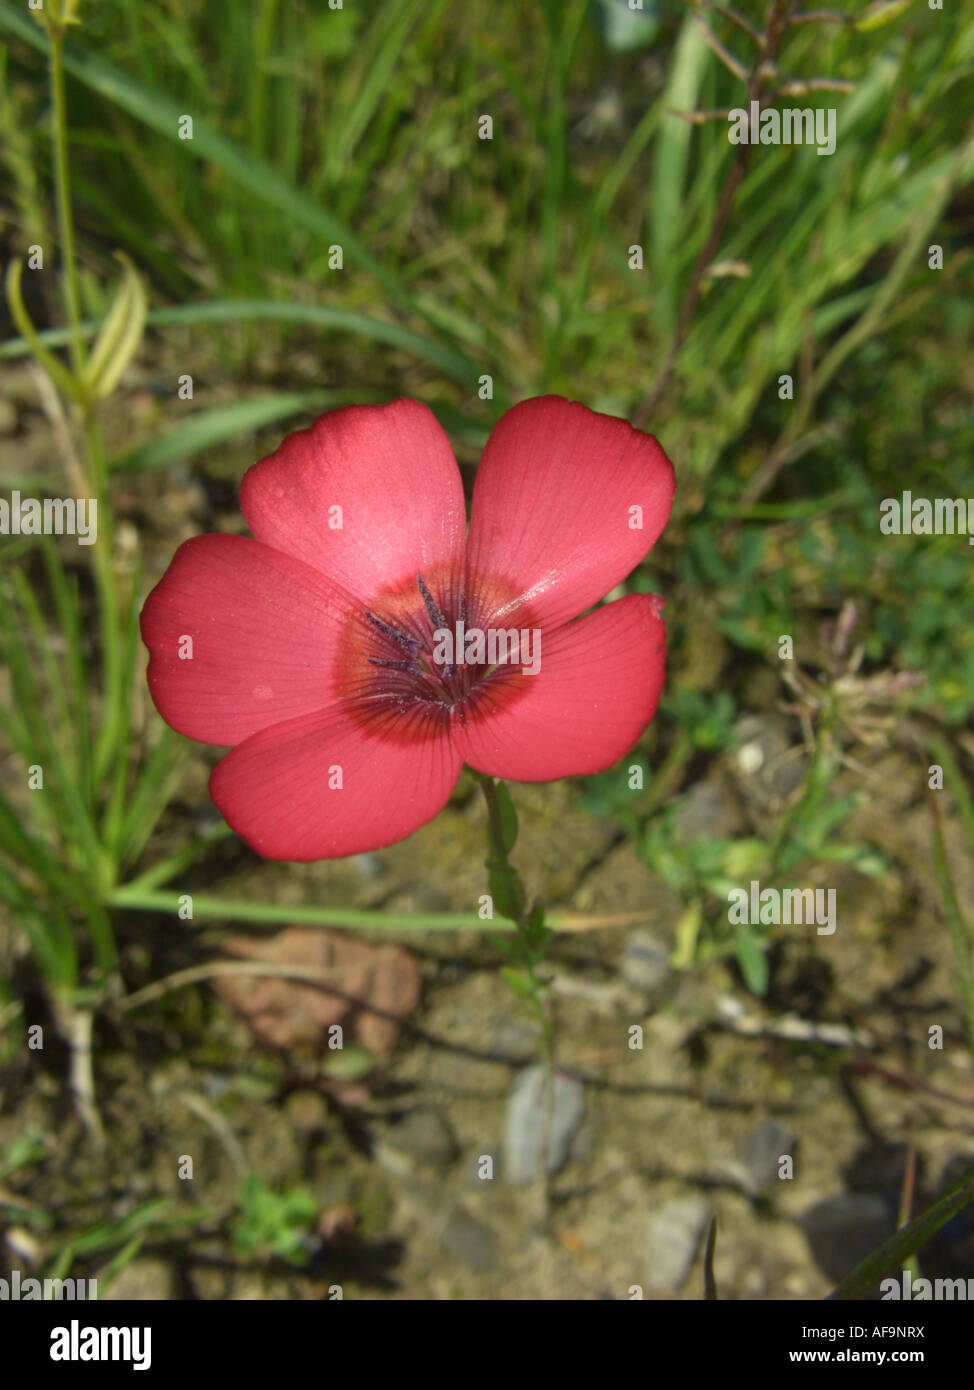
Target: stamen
(435, 616)
(393, 665)
(407, 643)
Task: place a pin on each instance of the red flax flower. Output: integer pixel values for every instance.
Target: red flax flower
(310, 648)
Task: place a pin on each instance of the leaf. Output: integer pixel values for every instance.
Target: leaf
(893, 1252)
(450, 361)
(752, 961)
(624, 29)
(120, 335)
(666, 209)
(56, 370)
(515, 978)
(205, 428)
(505, 889)
(880, 13)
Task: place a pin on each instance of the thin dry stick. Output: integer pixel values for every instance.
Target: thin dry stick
(231, 1144)
(215, 968)
(75, 1026)
(51, 405)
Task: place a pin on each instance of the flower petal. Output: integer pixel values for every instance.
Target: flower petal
(264, 631)
(389, 469)
(597, 688)
(553, 505)
(278, 789)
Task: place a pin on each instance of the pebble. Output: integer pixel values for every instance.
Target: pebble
(469, 1240)
(514, 1041)
(766, 1145)
(306, 1111)
(645, 963)
(525, 1124)
(675, 1232)
(425, 1136)
(142, 1280)
(842, 1230)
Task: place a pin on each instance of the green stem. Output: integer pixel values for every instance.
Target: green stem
(527, 951)
(136, 898)
(113, 676)
(112, 692)
(63, 192)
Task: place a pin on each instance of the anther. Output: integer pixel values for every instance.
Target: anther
(407, 643)
(394, 665)
(435, 616)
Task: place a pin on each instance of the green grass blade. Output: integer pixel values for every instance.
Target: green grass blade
(892, 1254)
(690, 58)
(449, 360)
(206, 428)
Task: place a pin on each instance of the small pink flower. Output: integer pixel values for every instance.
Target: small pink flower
(312, 645)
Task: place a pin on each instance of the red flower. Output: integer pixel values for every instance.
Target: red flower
(312, 646)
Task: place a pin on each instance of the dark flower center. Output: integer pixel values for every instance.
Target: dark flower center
(407, 670)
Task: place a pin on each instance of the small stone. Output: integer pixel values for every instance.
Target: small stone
(425, 1136)
(307, 1111)
(767, 766)
(468, 1240)
(368, 866)
(705, 811)
(146, 1280)
(514, 1041)
(841, 1231)
(645, 963)
(525, 1124)
(463, 1235)
(766, 1145)
(675, 1232)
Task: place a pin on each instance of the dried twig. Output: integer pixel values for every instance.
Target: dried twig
(724, 54)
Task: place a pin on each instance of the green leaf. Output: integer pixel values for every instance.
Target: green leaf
(880, 13)
(505, 889)
(57, 371)
(686, 69)
(623, 29)
(517, 981)
(892, 1254)
(752, 961)
(451, 361)
(349, 1063)
(206, 428)
(120, 335)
